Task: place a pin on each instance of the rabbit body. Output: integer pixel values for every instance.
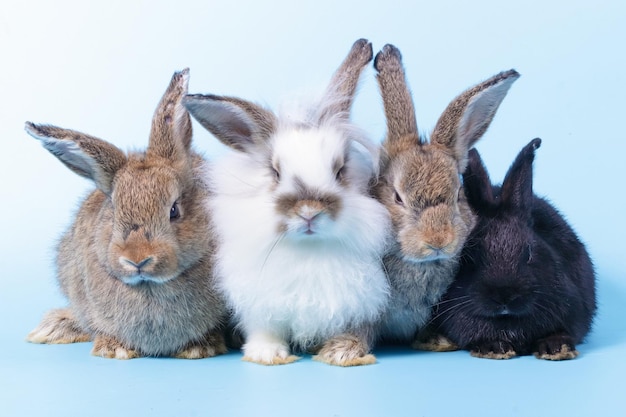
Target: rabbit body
(421, 188)
(300, 237)
(526, 282)
(307, 288)
(136, 264)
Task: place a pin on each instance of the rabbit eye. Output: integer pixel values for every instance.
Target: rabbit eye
(174, 211)
(398, 199)
(340, 173)
(276, 174)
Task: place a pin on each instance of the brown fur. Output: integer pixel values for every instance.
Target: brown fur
(420, 186)
(112, 348)
(345, 350)
(509, 354)
(553, 348)
(277, 360)
(58, 326)
(213, 344)
(435, 343)
(565, 353)
(346, 78)
(290, 205)
(139, 282)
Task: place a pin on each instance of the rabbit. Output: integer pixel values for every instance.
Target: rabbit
(136, 263)
(421, 188)
(300, 235)
(526, 283)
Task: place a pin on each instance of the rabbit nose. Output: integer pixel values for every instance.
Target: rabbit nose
(503, 310)
(309, 212)
(309, 217)
(438, 249)
(137, 265)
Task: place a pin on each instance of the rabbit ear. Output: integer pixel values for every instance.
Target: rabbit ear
(87, 156)
(337, 100)
(170, 135)
(476, 183)
(237, 123)
(468, 116)
(517, 187)
(397, 100)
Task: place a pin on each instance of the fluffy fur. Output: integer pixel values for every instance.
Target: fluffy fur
(300, 238)
(136, 264)
(421, 188)
(526, 283)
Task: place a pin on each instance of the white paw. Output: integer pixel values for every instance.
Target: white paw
(267, 349)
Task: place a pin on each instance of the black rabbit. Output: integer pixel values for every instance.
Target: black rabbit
(526, 283)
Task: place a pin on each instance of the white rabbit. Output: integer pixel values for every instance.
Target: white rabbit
(300, 237)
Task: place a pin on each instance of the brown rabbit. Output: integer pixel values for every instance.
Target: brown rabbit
(136, 264)
(421, 187)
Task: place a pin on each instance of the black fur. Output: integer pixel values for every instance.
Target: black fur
(526, 283)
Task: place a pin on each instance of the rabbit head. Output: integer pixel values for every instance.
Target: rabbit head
(420, 180)
(311, 161)
(150, 232)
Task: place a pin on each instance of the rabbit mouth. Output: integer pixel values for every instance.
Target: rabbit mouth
(136, 280)
(308, 227)
(431, 256)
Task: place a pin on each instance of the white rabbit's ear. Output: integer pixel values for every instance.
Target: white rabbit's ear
(469, 115)
(87, 156)
(237, 123)
(170, 135)
(337, 100)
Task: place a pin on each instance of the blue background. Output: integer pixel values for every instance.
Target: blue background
(102, 68)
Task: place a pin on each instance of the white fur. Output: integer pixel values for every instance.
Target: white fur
(290, 288)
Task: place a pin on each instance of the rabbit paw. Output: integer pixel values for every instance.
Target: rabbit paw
(345, 350)
(389, 58)
(265, 349)
(497, 349)
(556, 348)
(58, 326)
(435, 343)
(211, 345)
(109, 347)
(361, 53)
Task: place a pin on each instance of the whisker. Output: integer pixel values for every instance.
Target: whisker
(460, 305)
(271, 250)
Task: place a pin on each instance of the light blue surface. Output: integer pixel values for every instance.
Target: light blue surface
(102, 68)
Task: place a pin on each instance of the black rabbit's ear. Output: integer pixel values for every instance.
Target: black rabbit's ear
(517, 188)
(476, 182)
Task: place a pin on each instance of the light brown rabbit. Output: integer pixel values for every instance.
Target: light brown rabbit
(136, 264)
(420, 186)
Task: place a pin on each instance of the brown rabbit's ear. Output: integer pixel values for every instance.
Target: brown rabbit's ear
(87, 156)
(170, 135)
(399, 109)
(517, 187)
(469, 115)
(476, 183)
(237, 123)
(339, 95)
